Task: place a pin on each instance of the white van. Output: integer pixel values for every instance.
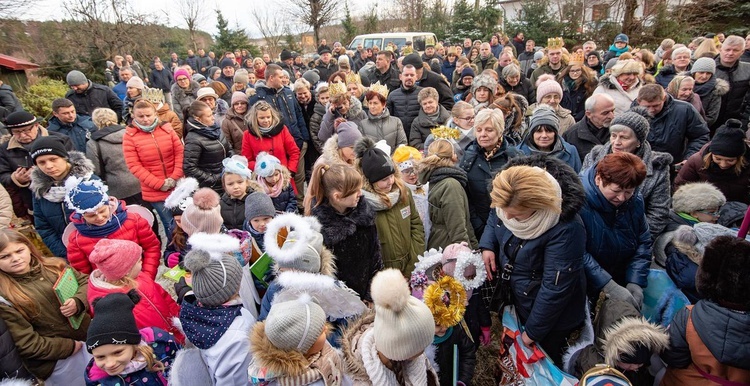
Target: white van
(419, 40)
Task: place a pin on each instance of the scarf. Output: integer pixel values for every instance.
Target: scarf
(619, 51)
(440, 339)
(415, 372)
(265, 130)
(98, 232)
(271, 191)
(539, 222)
(257, 236)
(624, 87)
(376, 201)
(704, 89)
(210, 132)
(148, 129)
(570, 84)
(489, 154)
(204, 326)
(325, 365)
(137, 364)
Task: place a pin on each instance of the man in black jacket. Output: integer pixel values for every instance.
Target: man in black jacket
(384, 72)
(162, 79)
(593, 129)
(403, 103)
(736, 103)
(87, 95)
(427, 78)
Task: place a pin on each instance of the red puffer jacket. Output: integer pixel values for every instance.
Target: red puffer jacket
(156, 308)
(135, 228)
(278, 142)
(152, 158)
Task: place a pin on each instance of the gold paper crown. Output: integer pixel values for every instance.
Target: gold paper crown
(444, 132)
(445, 299)
(576, 58)
(555, 43)
(353, 77)
(153, 95)
(336, 89)
(380, 89)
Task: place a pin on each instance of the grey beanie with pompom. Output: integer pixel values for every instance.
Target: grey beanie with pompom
(216, 272)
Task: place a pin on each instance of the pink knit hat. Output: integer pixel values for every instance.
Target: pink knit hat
(115, 258)
(181, 72)
(546, 84)
(450, 255)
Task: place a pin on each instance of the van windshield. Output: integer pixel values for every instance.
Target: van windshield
(354, 44)
(371, 42)
(419, 41)
(400, 42)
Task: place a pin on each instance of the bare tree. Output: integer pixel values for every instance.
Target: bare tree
(272, 30)
(190, 12)
(12, 9)
(411, 10)
(315, 13)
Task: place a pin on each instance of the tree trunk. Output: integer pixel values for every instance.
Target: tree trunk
(629, 24)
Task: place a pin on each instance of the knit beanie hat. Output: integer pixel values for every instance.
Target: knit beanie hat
(203, 214)
(373, 162)
(216, 272)
(114, 322)
(403, 325)
(311, 76)
(295, 324)
(237, 164)
(258, 204)
(238, 96)
(539, 55)
(467, 71)
(285, 55)
(115, 258)
(485, 81)
(75, 78)
(49, 145)
(85, 196)
(414, 59)
(451, 254)
(697, 196)
(611, 63)
(181, 72)
(729, 140)
(182, 196)
(135, 82)
(546, 84)
(226, 62)
(240, 76)
(621, 38)
(700, 235)
(348, 134)
(544, 115)
(20, 118)
(303, 244)
(266, 164)
(703, 65)
(405, 156)
(634, 119)
(198, 77)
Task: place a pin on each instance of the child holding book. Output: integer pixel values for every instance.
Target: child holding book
(49, 345)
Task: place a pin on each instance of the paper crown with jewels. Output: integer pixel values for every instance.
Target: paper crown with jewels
(555, 43)
(353, 77)
(444, 132)
(380, 89)
(336, 89)
(576, 58)
(153, 95)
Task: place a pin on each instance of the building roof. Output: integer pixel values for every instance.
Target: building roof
(16, 64)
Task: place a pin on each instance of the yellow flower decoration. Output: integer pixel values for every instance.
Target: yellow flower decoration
(446, 299)
(444, 132)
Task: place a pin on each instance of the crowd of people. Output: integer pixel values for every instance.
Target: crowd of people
(370, 217)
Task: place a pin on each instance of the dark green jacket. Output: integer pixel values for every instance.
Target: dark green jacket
(449, 207)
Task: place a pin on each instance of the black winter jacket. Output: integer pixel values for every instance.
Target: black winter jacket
(96, 95)
(584, 136)
(466, 357)
(736, 103)
(232, 211)
(205, 149)
(403, 104)
(389, 78)
(421, 126)
(678, 130)
(161, 79)
(11, 365)
(8, 99)
(431, 79)
(523, 88)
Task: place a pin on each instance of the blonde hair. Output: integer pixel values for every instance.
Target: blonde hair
(460, 107)
(439, 154)
(737, 168)
(327, 179)
(707, 49)
(104, 117)
(525, 187)
(495, 117)
(251, 119)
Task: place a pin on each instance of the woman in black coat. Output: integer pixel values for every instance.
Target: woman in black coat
(205, 147)
(578, 83)
(11, 365)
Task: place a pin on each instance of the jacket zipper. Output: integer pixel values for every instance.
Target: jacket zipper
(161, 157)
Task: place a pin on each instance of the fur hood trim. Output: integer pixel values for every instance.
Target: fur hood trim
(331, 151)
(214, 244)
(337, 300)
(305, 229)
(343, 226)
(722, 87)
(572, 189)
(80, 167)
(275, 360)
(350, 345)
(623, 336)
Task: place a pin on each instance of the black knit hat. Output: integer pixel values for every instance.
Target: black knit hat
(48, 146)
(113, 321)
(285, 55)
(375, 164)
(20, 119)
(414, 59)
(729, 140)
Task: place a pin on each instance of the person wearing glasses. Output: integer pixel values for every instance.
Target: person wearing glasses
(578, 83)
(462, 119)
(15, 159)
(184, 92)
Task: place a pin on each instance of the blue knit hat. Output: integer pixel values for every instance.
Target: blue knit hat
(85, 196)
(622, 38)
(237, 164)
(266, 164)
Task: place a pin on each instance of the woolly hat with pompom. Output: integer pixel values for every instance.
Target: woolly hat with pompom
(546, 84)
(295, 324)
(697, 196)
(203, 214)
(403, 325)
(216, 272)
(374, 163)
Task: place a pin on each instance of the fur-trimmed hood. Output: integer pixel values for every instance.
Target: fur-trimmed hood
(572, 189)
(610, 82)
(342, 226)
(624, 336)
(350, 345)
(275, 360)
(331, 151)
(80, 166)
(722, 87)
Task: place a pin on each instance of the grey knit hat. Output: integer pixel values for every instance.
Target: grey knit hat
(697, 196)
(312, 76)
(544, 115)
(258, 204)
(700, 235)
(348, 134)
(484, 81)
(216, 273)
(635, 120)
(303, 245)
(241, 76)
(295, 324)
(75, 77)
(703, 65)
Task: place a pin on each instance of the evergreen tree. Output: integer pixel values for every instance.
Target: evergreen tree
(228, 39)
(488, 17)
(371, 21)
(347, 23)
(535, 22)
(464, 22)
(436, 19)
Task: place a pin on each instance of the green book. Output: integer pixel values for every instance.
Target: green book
(175, 273)
(65, 288)
(260, 267)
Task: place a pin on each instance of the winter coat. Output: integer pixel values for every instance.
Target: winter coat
(710, 338)
(404, 105)
(448, 207)
(584, 136)
(389, 78)
(655, 189)
(96, 95)
(447, 68)
(548, 279)
(681, 266)
(79, 131)
(13, 155)
(135, 228)
(166, 115)
(422, 124)
(204, 154)
(355, 114)
(623, 99)
(106, 153)
(678, 130)
(561, 149)
(193, 62)
(156, 308)
(666, 74)
(618, 242)
(164, 347)
(278, 142)
(48, 336)
(8, 99)
(284, 101)
(183, 98)
(480, 173)
(735, 187)
(315, 121)
(353, 238)
(487, 64)
(523, 88)
(152, 158)
(383, 126)
(232, 211)
(400, 231)
(233, 127)
(51, 218)
(431, 79)
(466, 356)
(573, 100)
(161, 79)
(735, 103)
(11, 364)
(541, 70)
(6, 209)
(326, 70)
(711, 93)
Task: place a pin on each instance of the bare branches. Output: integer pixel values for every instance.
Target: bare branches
(12, 9)
(315, 13)
(190, 12)
(271, 28)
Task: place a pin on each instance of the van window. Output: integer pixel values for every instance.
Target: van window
(399, 42)
(419, 42)
(355, 42)
(371, 42)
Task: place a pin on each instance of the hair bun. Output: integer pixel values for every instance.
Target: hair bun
(734, 123)
(390, 290)
(206, 199)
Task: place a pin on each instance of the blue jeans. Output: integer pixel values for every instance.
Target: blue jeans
(165, 216)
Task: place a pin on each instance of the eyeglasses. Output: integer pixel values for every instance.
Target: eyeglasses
(27, 130)
(713, 214)
(467, 119)
(183, 79)
(578, 70)
(409, 171)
